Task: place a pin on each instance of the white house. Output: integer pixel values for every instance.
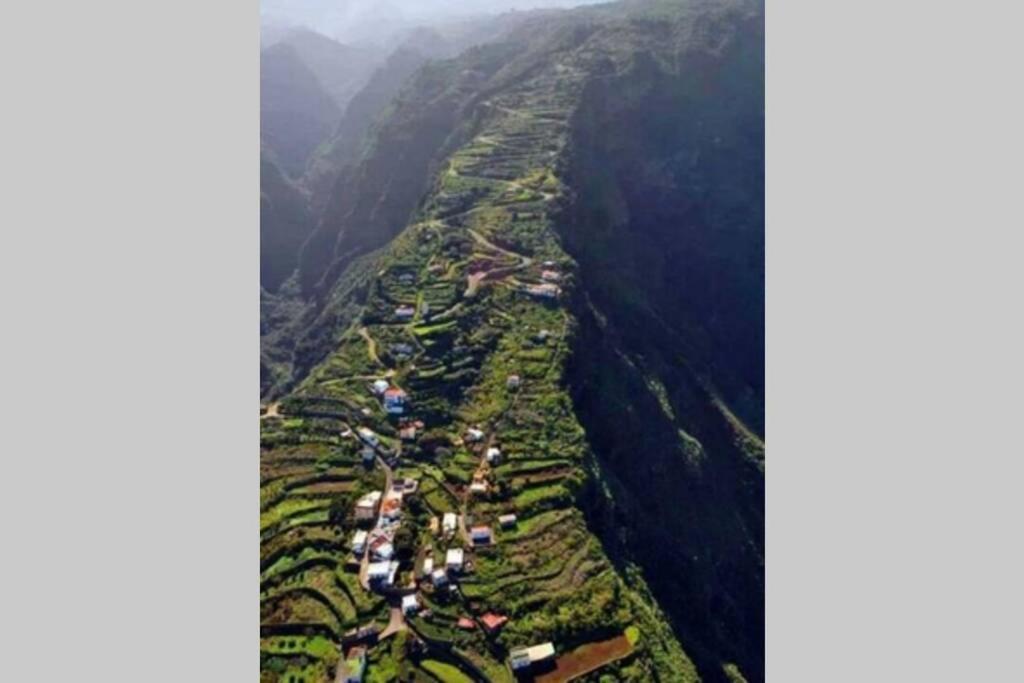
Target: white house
(480, 535)
(382, 573)
(366, 507)
(473, 435)
(449, 523)
(382, 549)
(359, 543)
(513, 381)
(410, 604)
(380, 386)
(439, 578)
(368, 435)
(478, 486)
(453, 560)
(405, 312)
(428, 567)
(525, 657)
(544, 291)
(507, 521)
(493, 455)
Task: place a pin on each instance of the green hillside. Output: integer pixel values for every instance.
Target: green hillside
(555, 238)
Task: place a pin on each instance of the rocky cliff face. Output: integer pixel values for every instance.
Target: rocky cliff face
(296, 113)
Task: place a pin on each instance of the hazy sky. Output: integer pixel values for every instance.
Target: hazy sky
(357, 20)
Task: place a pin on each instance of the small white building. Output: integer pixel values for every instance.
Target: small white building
(481, 535)
(368, 435)
(439, 578)
(380, 386)
(359, 543)
(473, 435)
(405, 312)
(382, 573)
(478, 486)
(493, 455)
(507, 521)
(366, 507)
(453, 560)
(428, 567)
(410, 604)
(449, 522)
(525, 657)
(513, 381)
(544, 291)
(383, 550)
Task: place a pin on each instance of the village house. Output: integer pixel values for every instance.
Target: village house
(550, 276)
(428, 567)
(359, 543)
(407, 432)
(481, 535)
(435, 525)
(380, 386)
(381, 548)
(449, 523)
(439, 578)
(507, 521)
(410, 604)
(453, 559)
(394, 401)
(525, 657)
(368, 435)
(466, 624)
(473, 435)
(478, 486)
(391, 509)
(544, 291)
(513, 382)
(493, 456)
(405, 312)
(493, 622)
(366, 507)
(382, 573)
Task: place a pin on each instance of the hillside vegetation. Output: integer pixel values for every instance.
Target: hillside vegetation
(551, 247)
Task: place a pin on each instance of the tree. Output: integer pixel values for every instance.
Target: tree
(404, 543)
(339, 510)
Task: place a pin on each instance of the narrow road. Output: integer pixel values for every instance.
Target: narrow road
(371, 345)
(525, 261)
(388, 480)
(395, 624)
